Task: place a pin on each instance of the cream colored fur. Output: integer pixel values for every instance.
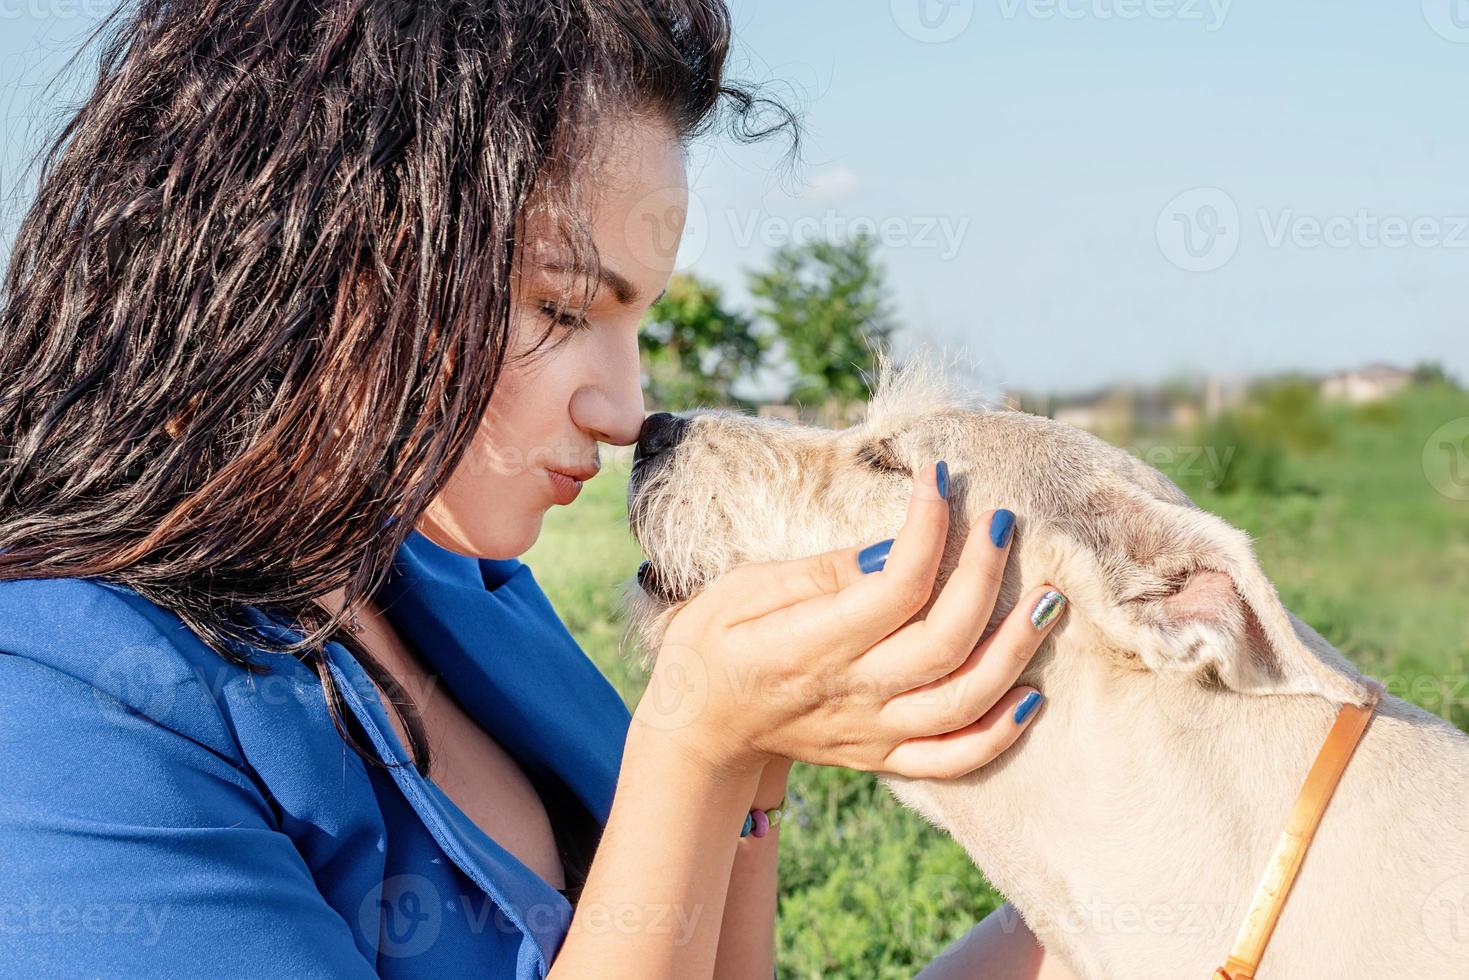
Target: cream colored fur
(1131, 823)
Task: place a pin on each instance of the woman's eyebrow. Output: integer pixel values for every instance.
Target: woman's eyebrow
(622, 288)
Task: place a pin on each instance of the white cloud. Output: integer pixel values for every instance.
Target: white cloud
(830, 185)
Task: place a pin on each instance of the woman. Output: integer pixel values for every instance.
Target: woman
(319, 308)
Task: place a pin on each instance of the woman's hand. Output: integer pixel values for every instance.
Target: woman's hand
(815, 660)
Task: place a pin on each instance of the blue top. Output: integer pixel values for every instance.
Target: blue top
(165, 813)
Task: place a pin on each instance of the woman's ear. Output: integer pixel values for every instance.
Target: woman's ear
(1190, 596)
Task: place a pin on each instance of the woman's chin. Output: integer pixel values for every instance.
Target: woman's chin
(495, 537)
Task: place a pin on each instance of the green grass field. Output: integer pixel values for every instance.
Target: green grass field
(1358, 539)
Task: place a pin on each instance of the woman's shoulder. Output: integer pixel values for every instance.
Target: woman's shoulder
(120, 652)
(145, 791)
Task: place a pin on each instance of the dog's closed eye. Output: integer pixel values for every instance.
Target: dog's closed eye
(880, 456)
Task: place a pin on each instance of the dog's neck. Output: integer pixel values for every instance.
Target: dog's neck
(1137, 814)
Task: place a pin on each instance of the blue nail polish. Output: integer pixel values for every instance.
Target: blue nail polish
(874, 556)
(1000, 527)
(1028, 705)
(942, 479)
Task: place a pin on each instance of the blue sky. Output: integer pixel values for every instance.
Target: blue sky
(1053, 142)
(1075, 192)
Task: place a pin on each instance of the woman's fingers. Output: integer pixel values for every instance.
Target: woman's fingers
(832, 595)
(956, 699)
(905, 580)
(952, 754)
(957, 619)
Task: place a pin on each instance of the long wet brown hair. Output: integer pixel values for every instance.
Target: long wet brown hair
(261, 300)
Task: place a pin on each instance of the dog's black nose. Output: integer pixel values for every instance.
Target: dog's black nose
(661, 431)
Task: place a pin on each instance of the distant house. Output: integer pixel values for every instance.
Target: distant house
(1118, 410)
(1110, 413)
(1367, 384)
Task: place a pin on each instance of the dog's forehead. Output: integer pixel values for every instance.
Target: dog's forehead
(1000, 457)
(1049, 468)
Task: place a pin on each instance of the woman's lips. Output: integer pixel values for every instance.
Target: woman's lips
(563, 488)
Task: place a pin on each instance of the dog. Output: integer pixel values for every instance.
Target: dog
(1131, 825)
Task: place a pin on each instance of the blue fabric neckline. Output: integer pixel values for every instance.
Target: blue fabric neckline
(488, 630)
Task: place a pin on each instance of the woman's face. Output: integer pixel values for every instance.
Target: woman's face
(549, 412)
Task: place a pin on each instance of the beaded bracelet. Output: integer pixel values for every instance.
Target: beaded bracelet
(758, 822)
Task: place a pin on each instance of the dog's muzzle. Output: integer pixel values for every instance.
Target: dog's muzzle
(660, 434)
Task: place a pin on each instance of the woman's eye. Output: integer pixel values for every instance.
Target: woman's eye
(562, 318)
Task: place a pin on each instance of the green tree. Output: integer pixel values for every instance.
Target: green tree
(1283, 421)
(694, 348)
(828, 303)
(1431, 373)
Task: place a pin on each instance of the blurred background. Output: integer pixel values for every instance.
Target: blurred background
(1232, 238)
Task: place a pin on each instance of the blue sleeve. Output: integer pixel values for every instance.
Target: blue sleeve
(130, 849)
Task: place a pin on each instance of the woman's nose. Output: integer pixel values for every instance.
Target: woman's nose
(660, 433)
(609, 403)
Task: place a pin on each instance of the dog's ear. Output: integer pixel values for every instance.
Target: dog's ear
(1190, 596)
